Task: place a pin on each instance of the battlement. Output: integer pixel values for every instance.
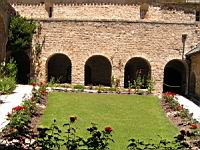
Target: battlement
(114, 2)
(176, 13)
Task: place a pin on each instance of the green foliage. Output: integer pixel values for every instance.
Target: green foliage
(7, 85)
(51, 138)
(72, 140)
(150, 85)
(20, 34)
(39, 91)
(163, 144)
(79, 87)
(138, 83)
(48, 138)
(8, 69)
(8, 73)
(99, 140)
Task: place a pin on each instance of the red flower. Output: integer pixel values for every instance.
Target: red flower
(108, 129)
(72, 119)
(193, 126)
(17, 108)
(34, 84)
(170, 94)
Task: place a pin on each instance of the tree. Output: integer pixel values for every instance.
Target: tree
(20, 34)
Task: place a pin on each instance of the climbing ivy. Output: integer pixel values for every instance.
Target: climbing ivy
(20, 34)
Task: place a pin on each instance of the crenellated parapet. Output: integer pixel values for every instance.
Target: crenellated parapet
(153, 11)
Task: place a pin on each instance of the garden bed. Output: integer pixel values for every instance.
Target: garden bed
(181, 118)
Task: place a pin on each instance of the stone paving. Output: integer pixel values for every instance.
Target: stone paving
(12, 100)
(192, 107)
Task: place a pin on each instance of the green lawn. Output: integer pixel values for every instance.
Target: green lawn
(129, 116)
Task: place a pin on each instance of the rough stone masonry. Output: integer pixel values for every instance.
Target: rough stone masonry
(116, 34)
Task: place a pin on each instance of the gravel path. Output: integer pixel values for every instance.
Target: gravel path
(12, 100)
(192, 107)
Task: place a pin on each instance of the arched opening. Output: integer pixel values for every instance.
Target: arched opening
(98, 71)
(59, 68)
(137, 69)
(23, 67)
(175, 77)
(192, 84)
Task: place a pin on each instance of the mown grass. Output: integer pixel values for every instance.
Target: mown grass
(129, 116)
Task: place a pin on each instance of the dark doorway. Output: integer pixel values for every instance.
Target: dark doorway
(59, 68)
(175, 77)
(134, 68)
(98, 71)
(23, 67)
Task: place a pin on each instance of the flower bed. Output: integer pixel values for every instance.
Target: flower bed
(182, 119)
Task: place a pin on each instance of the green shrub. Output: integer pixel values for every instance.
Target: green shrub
(20, 34)
(7, 85)
(79, 87)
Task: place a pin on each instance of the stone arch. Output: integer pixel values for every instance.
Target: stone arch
(175, 77)
(192, 83)
(23, 66)
(135, 67)
(98, 71)
(59, 68)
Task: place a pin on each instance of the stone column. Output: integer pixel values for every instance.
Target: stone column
(77, 75)
(157, 74)
(118, 70)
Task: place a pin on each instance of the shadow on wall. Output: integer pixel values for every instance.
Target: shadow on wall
(134, 67)
(98, 71)
(59, 68)
(23, 67)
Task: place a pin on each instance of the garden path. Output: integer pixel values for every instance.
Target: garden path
(13, 100)
(192, 107)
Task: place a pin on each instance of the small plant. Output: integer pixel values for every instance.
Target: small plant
(79, 87)
(48, 138)
(163, 144)
(100, 89)
(99, 140)
(39, 91)
(111, 89)
(8, 72)
(51, 138)
(150, 85)
(7, 85)
(72, 141)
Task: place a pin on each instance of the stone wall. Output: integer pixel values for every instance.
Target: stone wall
(3, 30)
(105, 12)
(158, 43)
(5, 11)
(195, 69)
(114, 31)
